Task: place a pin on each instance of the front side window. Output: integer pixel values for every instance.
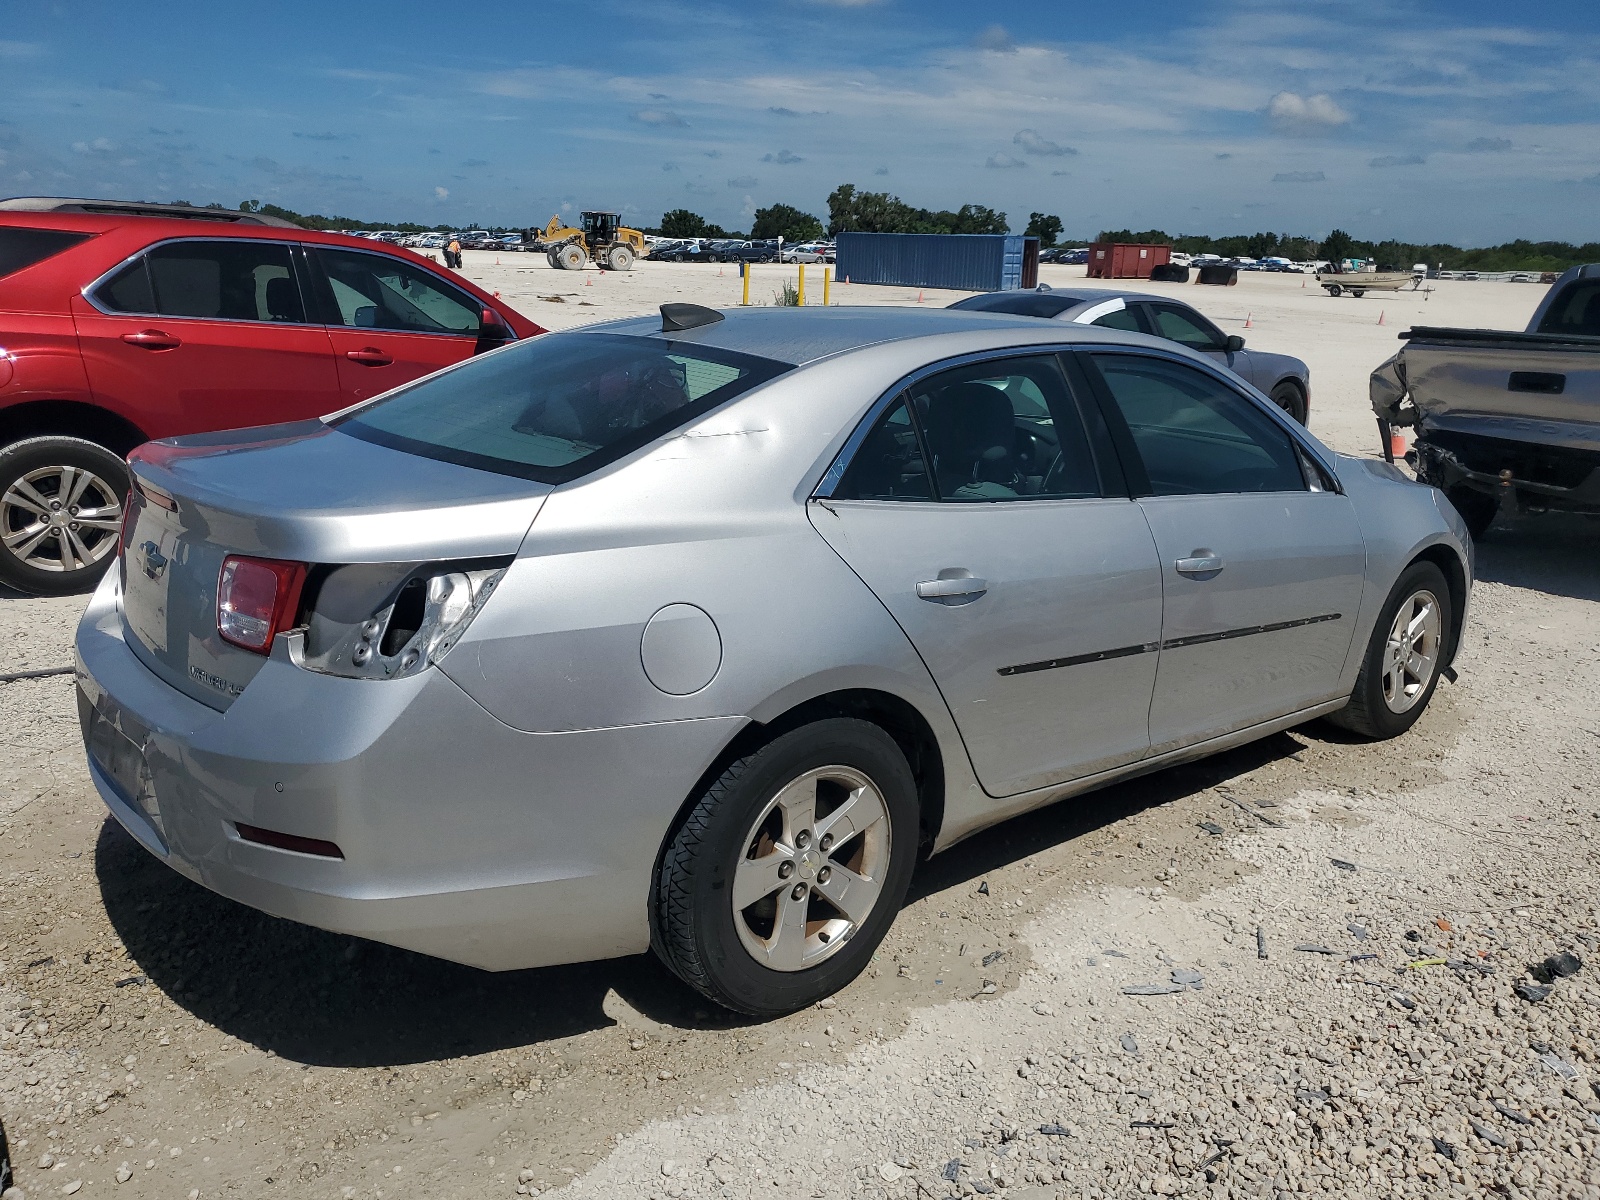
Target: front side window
(375, 291)
(243, 280)
(555, 407)
(1186, 328)
(1195, 434)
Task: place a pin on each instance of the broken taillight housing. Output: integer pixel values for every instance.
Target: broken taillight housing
(412, 626)
(257, 599)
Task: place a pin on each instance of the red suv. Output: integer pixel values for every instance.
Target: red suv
(123, 322)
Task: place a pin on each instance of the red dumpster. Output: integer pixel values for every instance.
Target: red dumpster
(1125, 260)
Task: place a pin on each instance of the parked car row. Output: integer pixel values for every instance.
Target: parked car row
(735, 250)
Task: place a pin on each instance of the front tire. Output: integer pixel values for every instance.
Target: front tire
(789, 869)
(1400, 669)
(621, 259)
(1288, 396)
(61, 501)
(570, 258)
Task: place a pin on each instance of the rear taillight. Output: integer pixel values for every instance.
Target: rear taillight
(257, 599)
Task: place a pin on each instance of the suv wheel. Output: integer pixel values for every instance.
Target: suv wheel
(61, 504)
(789, 869)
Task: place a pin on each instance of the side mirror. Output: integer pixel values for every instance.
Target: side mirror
(492, 331)
(1234, 342)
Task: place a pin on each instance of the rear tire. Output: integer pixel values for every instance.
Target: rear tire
(791, 944)
(620, 259)
(570, 258)
(45, 548)
(1288, 396)
(1404, 656)
(1477, 509)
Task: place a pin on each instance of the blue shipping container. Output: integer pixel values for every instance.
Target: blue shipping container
(968, 262)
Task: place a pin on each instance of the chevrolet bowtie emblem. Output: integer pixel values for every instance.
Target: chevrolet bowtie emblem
(155, 562)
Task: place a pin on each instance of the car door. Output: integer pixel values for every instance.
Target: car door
(1006, 547)
(391, 321)
(1262, 559)
(198, 334)
(1182, 324)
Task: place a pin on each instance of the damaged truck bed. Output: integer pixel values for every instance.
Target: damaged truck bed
(1504, 417)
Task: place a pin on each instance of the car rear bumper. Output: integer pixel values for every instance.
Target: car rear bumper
(461, 837)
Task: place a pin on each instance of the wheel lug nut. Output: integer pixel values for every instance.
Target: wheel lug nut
(826, 843)
(824, 875)
(785, 869)
(803, 838)
(799, 892)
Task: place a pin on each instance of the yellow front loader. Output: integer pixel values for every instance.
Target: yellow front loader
(601, 236)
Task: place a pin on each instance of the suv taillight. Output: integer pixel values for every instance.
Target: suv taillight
(257, 599)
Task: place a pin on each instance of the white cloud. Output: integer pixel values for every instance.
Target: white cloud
(1003, 162)
(1397, 160)
(1032, 142)
(1292, 113)
(441, 193)
(659, 116)
(20, 49)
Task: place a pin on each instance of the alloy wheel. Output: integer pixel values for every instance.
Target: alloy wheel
(813, 868)
(1411, 654)
(60, 518)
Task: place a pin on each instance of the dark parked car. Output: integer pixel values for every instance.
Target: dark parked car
(126, 322)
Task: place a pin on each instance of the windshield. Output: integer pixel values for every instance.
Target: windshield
(559, 405)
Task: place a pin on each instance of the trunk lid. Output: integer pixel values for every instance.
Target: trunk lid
(302, 492)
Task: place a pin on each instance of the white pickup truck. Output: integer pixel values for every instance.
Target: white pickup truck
(1504, 417)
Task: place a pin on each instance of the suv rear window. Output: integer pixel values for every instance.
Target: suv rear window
(559, 405)
(21, 247)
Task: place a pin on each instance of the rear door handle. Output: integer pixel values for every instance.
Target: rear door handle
(959, 587)
(152, 339)
(1201, 564)
(369, 356)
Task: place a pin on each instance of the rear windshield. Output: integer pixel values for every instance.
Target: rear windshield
(1021, 304)
(1575, 311)
(559, 405)
(21, 248)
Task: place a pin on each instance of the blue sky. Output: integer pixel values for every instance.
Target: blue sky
(1458, 120)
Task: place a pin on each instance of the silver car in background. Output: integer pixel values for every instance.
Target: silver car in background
(1284, 379)
(696, 632)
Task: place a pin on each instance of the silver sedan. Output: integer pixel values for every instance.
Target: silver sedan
(1284, 378)
(697, 632)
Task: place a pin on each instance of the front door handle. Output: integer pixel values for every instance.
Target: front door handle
(948, 588)
(152, 339)
(1203, 563)
(369, 356)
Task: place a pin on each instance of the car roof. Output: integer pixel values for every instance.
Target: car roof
(139, 208)
(804, 335)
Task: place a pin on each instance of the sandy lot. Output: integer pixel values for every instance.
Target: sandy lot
(154, 1033)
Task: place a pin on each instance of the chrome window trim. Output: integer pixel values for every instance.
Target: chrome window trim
(444, 283)
(841, 461)
(88, 290)
(1297, 432)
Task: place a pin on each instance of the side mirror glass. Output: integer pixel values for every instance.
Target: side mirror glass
(1234, 342)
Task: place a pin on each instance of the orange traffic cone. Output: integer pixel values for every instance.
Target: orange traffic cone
(1302, 283)
(1397, 444)
(497, 260)
(497, 295)
(1380, 317)
(589, 282)
(847, 280)
(919, 295)
(1249, 321)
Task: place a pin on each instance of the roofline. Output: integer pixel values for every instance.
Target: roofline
(138, 208)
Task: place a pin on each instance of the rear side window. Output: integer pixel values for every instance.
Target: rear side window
(557, 406)
(1576, 312)
(243, 280)
(21, 248)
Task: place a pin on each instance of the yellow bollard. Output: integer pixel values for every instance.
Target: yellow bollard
(802, 290)
(827, 278)
(746, 300)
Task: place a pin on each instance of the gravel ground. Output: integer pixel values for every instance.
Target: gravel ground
(1330, 936)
